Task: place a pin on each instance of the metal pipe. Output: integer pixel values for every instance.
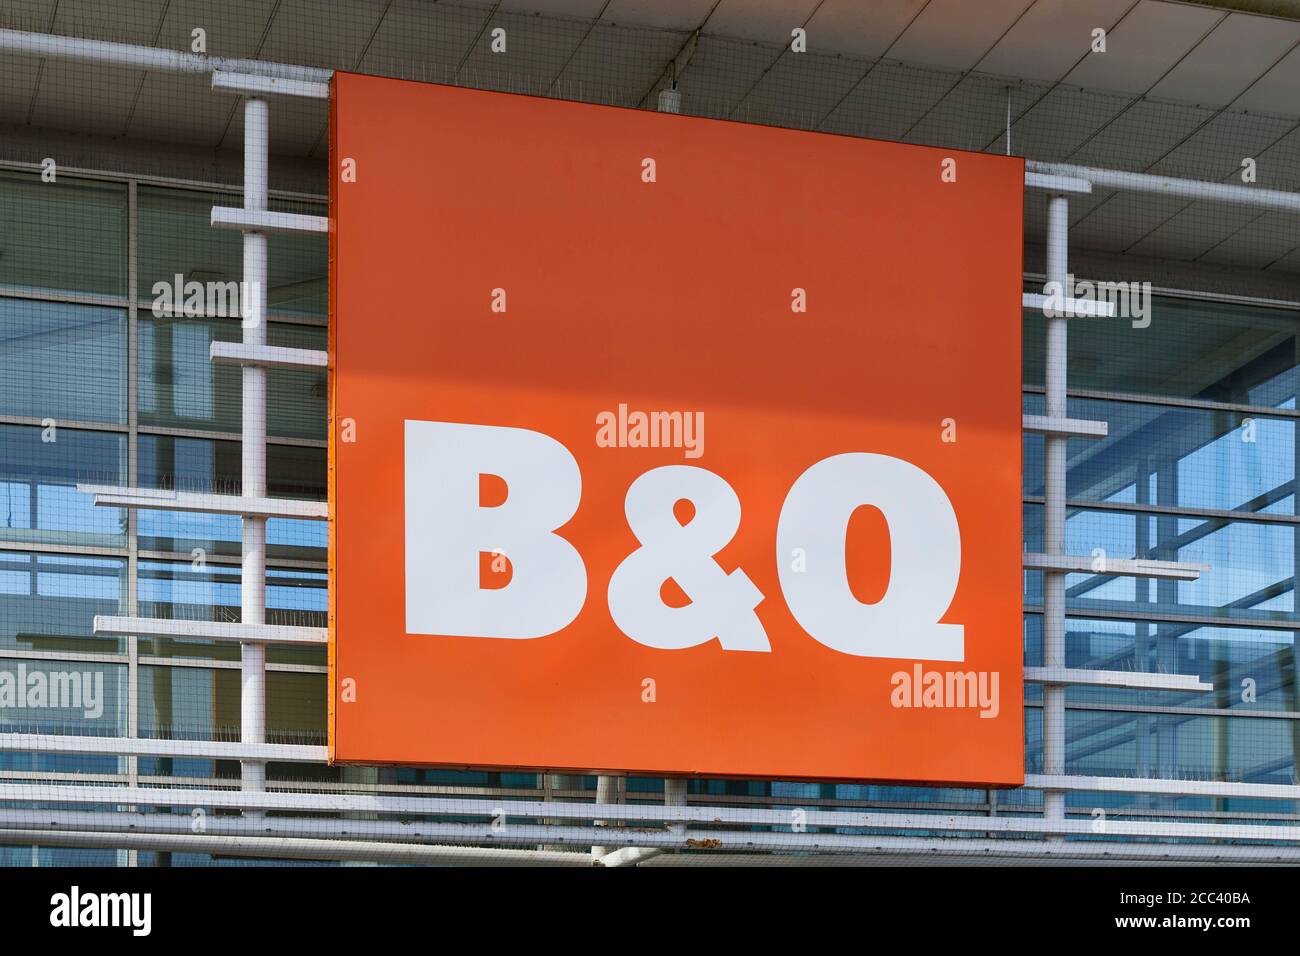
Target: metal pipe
(624, 822)
(277, 848)
(674, 796)
(606, 793)
(293, 849)
(1054, 492)
(1193, 189)
(153, 747)
(314, 828)
(83, 50)
(252, 699)
(628, 856)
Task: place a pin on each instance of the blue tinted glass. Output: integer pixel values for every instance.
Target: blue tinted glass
(49, 602)
(39, 471)
(62, 362)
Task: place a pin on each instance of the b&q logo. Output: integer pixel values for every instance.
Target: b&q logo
(531, 567)
(447, 530)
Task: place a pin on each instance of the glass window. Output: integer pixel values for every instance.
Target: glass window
(1191, 348)
(62, 362)
(66, 236)
(177, 238)
(197, 590)
(200, 703)
(62, 697)
(48, 602)
(39, 472)
(207, 465)
(1195, 458)
(1181, 746)
(180, 387)
(1252, 669)
(1250, 576)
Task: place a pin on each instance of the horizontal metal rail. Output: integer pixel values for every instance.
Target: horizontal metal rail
(1069, 308)
(261, 220)
(504, 830)
(267, 356)
(1072, 427)
(287, 848)
(1133, 680)
(1163, 786)
(1238, 195)
(906, 848)
(1057, 184)
(304, 753)
(165, 500)
(82, 50)
(251, 84)
(151, 747)
(622, 821)
(209, 630)
(1125, 567)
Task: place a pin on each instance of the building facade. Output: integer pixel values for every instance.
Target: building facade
(114, 284)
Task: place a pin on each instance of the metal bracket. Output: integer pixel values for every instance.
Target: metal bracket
(257, 85)
(260, 220)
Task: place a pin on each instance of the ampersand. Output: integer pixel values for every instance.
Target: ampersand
(721, 604)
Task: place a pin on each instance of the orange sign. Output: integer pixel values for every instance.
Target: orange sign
(669, 445)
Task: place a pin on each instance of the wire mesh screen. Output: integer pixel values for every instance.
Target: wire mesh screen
(113, 286)
(717, 76)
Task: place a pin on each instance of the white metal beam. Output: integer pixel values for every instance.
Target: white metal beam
(167, 500)
(267, 356)
(288, 848)
(263, 220)
(923, 849)
(1239, 195)
(1072, 427)
(621, 819)
(519, 830)
(1069, 308)
(1125, 567)
(1057, 184)
(154, 59)
(145, 747)
(258, 85)
(209, 630)
(1154, 785)
(1135, 680)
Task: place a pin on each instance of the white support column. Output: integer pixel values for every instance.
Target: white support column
(1054, 492)
(606, 792)
(252, 700)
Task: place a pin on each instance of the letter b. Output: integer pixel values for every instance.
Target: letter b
(447, 529)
